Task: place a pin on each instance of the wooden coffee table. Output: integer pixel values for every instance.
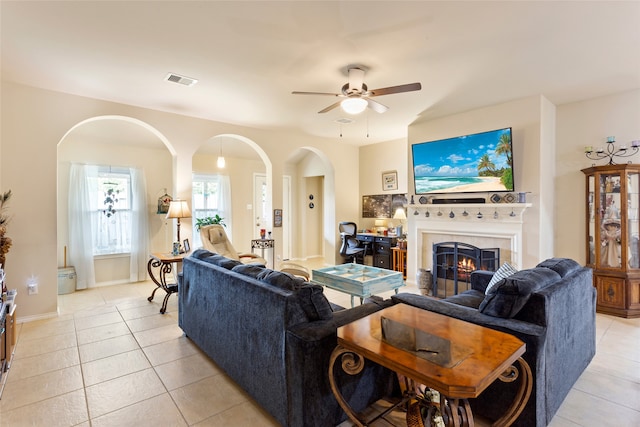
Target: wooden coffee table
(458, 359)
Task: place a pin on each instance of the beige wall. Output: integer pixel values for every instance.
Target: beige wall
(581, 124)
(155, 161)
(240, 172)
(34, 121)
(378, 158)
(533, 138)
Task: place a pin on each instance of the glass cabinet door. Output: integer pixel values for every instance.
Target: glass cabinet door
(633, 188)
(591, 255)
(610, 222)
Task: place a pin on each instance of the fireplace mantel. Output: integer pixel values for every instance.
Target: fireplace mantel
(482, 221)
(512, 212)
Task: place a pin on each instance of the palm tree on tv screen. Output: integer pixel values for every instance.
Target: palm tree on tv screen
(486, 165)
(504, 147)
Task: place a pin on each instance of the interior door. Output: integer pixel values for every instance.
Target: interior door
(260, 212)
(286, 217)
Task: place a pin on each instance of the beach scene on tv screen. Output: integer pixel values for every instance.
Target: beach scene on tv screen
(479, 162)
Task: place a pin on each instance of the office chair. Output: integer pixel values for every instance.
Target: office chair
(350, 250)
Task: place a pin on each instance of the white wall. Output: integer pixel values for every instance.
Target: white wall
(34, 121)
(582, 124)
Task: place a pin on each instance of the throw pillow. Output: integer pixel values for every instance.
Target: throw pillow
(503, 272)
(251, 270)
(511, 294)
(221, 261)
(562, 266)
(280, 279)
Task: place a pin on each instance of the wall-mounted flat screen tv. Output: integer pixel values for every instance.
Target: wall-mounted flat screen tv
(476, 163)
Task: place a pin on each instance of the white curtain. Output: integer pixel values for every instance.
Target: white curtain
(224, 203)
(80, 235)
(139, 227)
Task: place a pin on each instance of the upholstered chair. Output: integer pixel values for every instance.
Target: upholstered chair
(215, 239)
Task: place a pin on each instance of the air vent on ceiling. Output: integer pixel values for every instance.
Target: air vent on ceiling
(345, 121)
(176, 78)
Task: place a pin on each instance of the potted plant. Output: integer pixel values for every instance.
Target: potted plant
(5, 242)
(209, 220)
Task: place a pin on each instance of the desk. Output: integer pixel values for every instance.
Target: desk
(263, 244)
(478, 357)
(163, 263)
(380, 247)
(400, 261)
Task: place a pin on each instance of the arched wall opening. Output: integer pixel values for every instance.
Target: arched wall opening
(244, 161)
(125, 142)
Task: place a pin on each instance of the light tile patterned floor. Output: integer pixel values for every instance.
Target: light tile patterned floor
(110, 359)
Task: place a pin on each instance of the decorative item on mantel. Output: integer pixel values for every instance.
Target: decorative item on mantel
(611, 151)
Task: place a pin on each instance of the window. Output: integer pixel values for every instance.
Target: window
(110, 198)
(211, 196)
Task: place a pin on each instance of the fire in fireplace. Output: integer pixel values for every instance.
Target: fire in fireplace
(453, 263)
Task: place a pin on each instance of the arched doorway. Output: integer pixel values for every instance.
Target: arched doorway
(116, 141)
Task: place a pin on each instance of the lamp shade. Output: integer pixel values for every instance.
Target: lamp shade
(354, 105)
(179, 209)
(400, 214)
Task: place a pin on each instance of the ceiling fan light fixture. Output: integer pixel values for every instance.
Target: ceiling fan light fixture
(354, 105)
(221, 163)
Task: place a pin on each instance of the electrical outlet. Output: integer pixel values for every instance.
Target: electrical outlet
(32, 286)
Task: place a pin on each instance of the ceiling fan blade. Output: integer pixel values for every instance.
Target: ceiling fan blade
(376, 106)
(315, 93)
(330, 107)
(410, 87)
(356, 79)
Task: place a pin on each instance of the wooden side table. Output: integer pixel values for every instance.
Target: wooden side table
(163, 264)
(458, 359)
(400, 261)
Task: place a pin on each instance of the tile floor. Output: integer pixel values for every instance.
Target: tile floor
(110, 359)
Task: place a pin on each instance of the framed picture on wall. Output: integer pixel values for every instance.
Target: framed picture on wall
(376, 206)
(277, 217)
(389, 180)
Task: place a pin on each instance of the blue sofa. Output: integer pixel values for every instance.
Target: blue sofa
(552, 309)
(273, 334)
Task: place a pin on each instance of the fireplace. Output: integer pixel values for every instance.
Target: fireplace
(453, 263)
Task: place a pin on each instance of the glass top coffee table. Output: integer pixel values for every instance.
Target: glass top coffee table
(358, 280)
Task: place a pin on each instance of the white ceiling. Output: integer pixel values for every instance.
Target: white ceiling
(249, 56)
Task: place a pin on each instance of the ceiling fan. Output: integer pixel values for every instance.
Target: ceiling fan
(357, 96)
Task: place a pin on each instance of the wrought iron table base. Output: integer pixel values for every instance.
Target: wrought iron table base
(161, 282)
(456, 412)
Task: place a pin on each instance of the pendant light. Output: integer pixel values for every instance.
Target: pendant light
(221, 163)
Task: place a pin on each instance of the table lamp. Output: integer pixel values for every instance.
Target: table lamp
(178, 209)
(380, 223)
(402, 216)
